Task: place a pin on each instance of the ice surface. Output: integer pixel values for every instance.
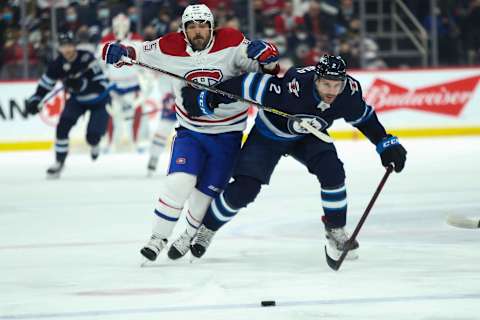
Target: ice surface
(69, 248)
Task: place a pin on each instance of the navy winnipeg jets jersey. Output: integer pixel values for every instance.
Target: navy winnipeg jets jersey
(94, 84)
(296, 94)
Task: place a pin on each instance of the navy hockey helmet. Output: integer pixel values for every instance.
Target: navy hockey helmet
(66, 37)
(331, 68)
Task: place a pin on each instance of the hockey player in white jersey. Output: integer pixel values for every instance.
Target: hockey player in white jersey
(206, 145)
(166, 124)
(131, 86)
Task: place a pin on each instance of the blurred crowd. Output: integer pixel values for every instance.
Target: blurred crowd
(302, 29)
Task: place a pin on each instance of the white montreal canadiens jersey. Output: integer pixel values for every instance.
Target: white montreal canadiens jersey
(124, 79)
(225, 58)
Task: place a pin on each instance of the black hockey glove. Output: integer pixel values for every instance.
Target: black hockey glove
(31, 105)
(392, 152)
(198, 103)
(74, 84)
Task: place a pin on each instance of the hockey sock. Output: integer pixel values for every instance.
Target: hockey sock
(198, 204)
(167, 213)
(219, 213)
(334, 203)
(158, 144)
(61, 149)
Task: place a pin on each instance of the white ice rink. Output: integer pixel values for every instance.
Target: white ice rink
(69, 248)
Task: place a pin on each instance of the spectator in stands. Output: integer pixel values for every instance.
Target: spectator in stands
(299, 43)
(101, 26)
(287, 20)
(233, 22)
(272, 7)
(222, 14)
(448, 35)
(371, 56)
(161, 23)
(346, 14)
(471, 32)
(71, 23)
(214, 5)
(150, 33)
(348, 53)
(319, 23)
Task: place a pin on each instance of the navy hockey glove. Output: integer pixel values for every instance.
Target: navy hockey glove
(198, 103)
(112, 53)
(75, 84)
(31, 105)
(392, 152)
(262, 51)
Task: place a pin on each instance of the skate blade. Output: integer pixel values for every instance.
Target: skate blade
(193, 259)
(53, 176)
(144, 263)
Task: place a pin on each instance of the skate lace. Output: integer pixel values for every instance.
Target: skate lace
(183, 243)
(157, 242)
(339, 235)
(204, 236)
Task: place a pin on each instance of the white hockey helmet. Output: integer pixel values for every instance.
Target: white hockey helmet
(120, 26)
(197, 13)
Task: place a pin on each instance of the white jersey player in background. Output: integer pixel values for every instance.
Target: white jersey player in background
(205, 146)
(131, 87)
(166, 124)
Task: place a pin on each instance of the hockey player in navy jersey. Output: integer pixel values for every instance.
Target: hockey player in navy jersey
(87, 87)
(320, 94)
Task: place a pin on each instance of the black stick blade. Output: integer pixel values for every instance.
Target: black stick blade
(332, 263)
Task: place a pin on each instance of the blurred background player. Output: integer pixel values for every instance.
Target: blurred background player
(166, 123)
(321, 94)
(131, 87)
(87, 87)
(206, 145)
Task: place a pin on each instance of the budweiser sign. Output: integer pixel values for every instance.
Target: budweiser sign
(447, 98)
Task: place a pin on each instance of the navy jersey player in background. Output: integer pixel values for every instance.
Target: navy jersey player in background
(87, 86)
(321, 94)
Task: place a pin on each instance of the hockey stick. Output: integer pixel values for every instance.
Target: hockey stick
(335, 264)
(464, 222)
(302, 122)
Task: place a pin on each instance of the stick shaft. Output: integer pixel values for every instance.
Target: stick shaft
(304, 124)
(364, 216)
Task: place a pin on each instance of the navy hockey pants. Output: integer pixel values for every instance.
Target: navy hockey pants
(97, 124)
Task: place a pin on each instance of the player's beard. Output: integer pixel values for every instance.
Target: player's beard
(199, 43)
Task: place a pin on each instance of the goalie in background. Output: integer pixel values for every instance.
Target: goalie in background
(319, 94)
(88, 90)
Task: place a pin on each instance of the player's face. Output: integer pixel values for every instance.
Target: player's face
(198, 35)
(68, 51)
(329, 89)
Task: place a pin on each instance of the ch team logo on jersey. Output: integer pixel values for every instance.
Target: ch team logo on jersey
(205, 77)
(315, 121)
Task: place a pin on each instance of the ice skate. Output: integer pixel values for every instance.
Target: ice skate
(95, 152)
(180, 247)
(53, 172)
(154, 246)
(152, 166)
(337, 240)
(201, 241)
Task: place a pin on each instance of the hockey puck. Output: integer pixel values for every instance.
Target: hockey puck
(268, 303)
